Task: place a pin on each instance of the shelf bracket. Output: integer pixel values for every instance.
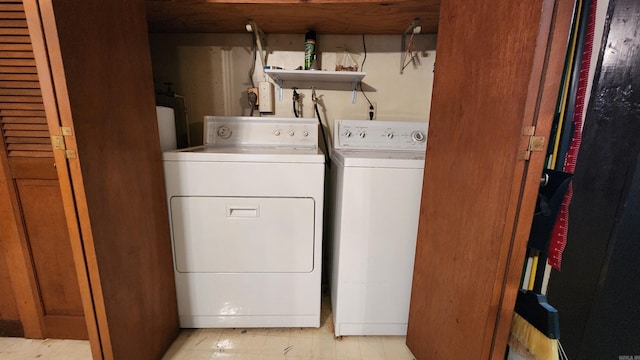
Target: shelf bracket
(278, 81)
(354, 91)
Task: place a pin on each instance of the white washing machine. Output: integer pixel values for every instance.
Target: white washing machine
(246, 223)
(376, 184)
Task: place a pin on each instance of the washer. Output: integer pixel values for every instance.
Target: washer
(246, 223)
(376, 185)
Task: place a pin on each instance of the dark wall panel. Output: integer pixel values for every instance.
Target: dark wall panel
(596, 291)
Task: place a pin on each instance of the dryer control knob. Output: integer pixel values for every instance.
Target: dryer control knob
(347, 133)
(276, 132)
(390, 135)
(291, 133)
(362, 135)
(305, 133)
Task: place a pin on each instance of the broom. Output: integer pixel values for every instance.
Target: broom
(534, 329)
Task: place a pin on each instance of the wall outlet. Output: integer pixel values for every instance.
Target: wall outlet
(371, 114)
(252, 96)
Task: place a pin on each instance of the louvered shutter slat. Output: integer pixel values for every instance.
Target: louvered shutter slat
(20, 91)
(27, 127)
(15, 46)
(21, 106)
(22, 119)
(18, 77)
(27, 140)
(20, 133)
(32, 154)
(15, 54)
(29, 147)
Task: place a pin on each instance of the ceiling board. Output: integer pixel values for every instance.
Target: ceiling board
(292, 17)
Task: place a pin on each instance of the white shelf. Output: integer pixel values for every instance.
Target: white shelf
(315, 75)
(279, 76)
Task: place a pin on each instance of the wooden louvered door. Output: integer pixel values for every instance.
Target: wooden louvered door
(35, 238)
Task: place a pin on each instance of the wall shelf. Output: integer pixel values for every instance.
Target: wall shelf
(279, 76)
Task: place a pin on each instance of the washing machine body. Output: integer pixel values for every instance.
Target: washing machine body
(246, 215)
(375, 190)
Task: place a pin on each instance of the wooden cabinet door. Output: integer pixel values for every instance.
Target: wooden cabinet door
(498, 72)
(37, 242)
(94, 64)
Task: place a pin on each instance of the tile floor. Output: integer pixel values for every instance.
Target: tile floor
(237, 344)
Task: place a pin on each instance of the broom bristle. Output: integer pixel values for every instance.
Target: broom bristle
(535, 342)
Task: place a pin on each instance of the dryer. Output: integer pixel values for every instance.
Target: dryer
(246, 223)
(376, 185)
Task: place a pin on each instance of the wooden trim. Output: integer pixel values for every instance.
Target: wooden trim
(11, 328)
(39, 43)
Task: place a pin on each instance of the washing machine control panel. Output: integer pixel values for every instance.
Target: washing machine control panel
(380, 135)
(259, 131)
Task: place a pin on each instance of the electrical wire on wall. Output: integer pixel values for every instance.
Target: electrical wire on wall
(371, 112)
(252, 69)
(314, 98)
(252, 97)
(296, 101)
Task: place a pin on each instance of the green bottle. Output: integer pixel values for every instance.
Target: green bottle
(309, 48)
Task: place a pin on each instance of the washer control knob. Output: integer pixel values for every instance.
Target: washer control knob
(362, 135)
(347, 133)
(291, 133)
(390, 135)
(417, 136)
(224, 132)
(276, 132)
(305, 133)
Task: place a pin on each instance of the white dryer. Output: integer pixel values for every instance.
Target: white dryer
(376, 184)
(246, 223)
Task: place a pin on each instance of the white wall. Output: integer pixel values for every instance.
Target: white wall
(212, 72)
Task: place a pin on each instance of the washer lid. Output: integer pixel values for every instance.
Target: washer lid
(268, 154)
(379, 159)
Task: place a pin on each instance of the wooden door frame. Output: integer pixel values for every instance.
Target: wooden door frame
(44, 68)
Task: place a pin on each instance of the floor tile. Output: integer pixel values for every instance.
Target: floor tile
(323, 348)
(372, 349)
(348, 349)
(299, 347)
(234, 344)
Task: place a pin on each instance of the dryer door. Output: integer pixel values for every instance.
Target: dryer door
(243, 234)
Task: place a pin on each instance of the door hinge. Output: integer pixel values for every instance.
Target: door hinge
(66, 131)
(70, 154)
(58, 142)
(535, 143)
